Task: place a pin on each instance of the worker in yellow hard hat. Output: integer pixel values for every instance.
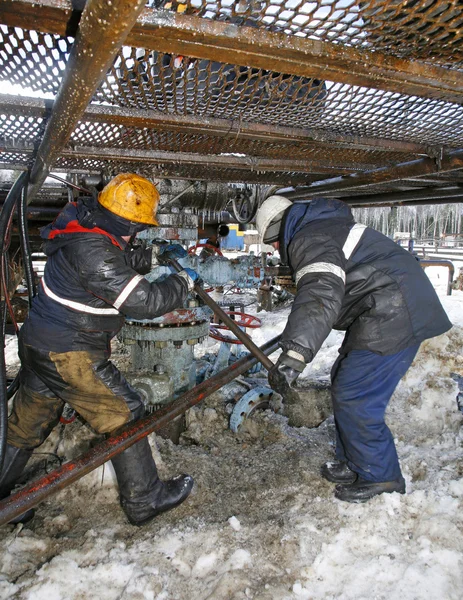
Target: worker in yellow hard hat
(93, 279)
(131, 197)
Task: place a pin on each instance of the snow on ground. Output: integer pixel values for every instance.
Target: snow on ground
(261, 523)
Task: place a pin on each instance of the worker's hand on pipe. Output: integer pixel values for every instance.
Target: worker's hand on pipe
(194, 276)
(190, 276)
(171, 251)
(284, 374)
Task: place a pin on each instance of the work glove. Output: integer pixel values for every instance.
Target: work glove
(283, 375)
(171, 251)
(191, 273)
(190, 276)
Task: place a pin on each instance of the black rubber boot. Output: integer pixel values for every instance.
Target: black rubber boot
(143, 495)
(362, 490)
(338, 472)
(13, 465)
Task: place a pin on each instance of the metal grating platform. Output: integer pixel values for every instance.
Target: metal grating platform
(312, 90)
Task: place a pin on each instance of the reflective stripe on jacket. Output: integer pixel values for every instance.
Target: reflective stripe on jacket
(90, 284)
(351, 277)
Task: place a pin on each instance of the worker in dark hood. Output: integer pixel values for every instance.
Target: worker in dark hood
(93, 279)
(351, 278)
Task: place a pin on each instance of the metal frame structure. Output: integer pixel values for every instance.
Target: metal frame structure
(368, 93)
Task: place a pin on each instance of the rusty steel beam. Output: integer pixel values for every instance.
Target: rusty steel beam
(429, 202)
(452, 161)
(247, 163)
(193, 125)
(34, 493)
(187, 35)
(427, 196)
(103, 29)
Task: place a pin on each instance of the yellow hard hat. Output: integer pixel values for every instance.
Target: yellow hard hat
(131, 197)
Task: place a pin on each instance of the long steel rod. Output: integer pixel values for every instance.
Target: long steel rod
(452, 161)
(103, 28)
(449, 194)
(37, 491)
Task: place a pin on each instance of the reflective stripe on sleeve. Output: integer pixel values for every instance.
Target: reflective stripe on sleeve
(296, 355)
(353, 239)
(77, 305)
(127, 290)
(321, 268)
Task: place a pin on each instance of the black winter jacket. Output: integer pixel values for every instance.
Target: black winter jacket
(92, 281)
(353, 278)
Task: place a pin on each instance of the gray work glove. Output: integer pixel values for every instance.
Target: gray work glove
(282, 377)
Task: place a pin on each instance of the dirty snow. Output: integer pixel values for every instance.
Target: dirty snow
(261, 523)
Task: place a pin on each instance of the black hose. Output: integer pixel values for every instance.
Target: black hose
(5, 220)
(25, 244)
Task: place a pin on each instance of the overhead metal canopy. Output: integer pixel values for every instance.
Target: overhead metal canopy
(334, 96)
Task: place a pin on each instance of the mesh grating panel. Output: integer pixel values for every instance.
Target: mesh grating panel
(90, 134)
(31, 59)
(144, 79)
(20, 127)
(424, 29)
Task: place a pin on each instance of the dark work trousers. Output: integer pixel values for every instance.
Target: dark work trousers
(87, 381)
(362, 384)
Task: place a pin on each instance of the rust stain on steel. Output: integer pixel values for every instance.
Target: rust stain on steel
(214, 40)
(210, 160)
(34, 493)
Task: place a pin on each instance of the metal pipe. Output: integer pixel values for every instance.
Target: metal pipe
(103, 28)
(240, 334)
(37, 491)
(446, 194)
(441, 263)
(415, 168)
(68, 183)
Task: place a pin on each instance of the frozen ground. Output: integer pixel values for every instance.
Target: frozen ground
(261, 523)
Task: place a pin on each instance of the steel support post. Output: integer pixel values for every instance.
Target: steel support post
(103, 28)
